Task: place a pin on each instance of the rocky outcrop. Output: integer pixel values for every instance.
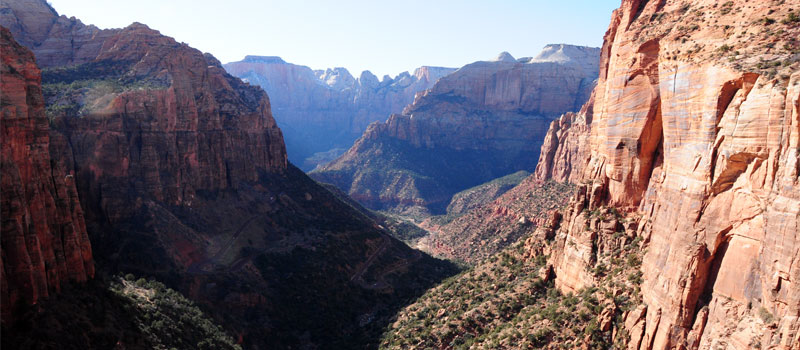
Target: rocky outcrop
(482, 122)
(55, 40)
(327, 110)
(695, 128)
(44, 239)
(489, 228)
(565, 150)
(547, 85)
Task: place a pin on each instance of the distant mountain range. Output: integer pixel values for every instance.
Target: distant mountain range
(322, 112)
(486, 120)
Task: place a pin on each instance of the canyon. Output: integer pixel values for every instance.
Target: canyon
(484, 121)
(322, 112)
(182, 176)
(661, 211)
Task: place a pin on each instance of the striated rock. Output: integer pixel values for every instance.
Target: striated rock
(694, 129)
(565, 151)
(44, 239)
(482, 122)
(327, 110)
(546, 86)
(30, 21)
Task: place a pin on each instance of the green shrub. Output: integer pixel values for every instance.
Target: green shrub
(726, 7)
(765, 315)
(791, 17)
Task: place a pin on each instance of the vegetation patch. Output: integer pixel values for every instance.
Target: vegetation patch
(509, 301)
(71, 91)
(117, 312)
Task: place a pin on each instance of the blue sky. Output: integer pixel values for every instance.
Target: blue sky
(386, 37)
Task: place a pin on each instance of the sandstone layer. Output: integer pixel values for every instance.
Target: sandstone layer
(44, 239)
(695, 127)
(325, 111)
(482, 122)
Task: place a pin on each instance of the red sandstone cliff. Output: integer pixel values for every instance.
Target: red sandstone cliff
(177, 125)
(565, 150)
(695, 129)
(44, 240)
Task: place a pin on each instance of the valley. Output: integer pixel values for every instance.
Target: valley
(643, 195)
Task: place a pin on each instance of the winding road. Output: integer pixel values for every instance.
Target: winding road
(204, 266)
(359, 274)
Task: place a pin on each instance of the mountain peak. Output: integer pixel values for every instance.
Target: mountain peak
(263, 59)
(505, 57)
(562, 53)
(432, 73)
(338, 78)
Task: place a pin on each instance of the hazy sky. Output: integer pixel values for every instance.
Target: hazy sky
(386, 37)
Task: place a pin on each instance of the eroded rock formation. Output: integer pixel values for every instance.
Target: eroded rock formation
(44, 239)
(482, 122)
(323, 112)
(565, 151)
(695, 126)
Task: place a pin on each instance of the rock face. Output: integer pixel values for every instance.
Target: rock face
(326, 111)
(183, 176)
(695, 126)
(478, 196)
(55, 40)
(482, 122)
(565, 150)
(44, 239)
(162, 120)
(487, 229)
